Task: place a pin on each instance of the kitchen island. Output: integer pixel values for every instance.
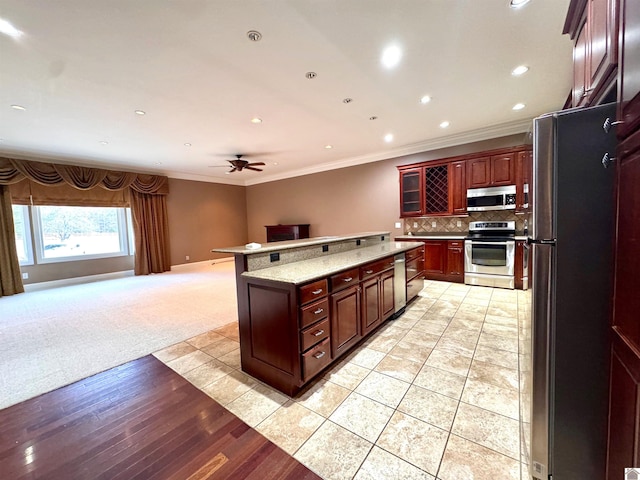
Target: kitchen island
(304, 303)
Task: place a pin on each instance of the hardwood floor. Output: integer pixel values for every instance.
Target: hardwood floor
(140, 420)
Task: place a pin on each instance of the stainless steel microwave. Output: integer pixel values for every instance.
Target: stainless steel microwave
(491, 198)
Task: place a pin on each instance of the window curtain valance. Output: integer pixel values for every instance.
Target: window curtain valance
(83, 178)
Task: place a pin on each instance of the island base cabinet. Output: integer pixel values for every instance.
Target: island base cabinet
(316, 359)
(370, 305)
(345, 320)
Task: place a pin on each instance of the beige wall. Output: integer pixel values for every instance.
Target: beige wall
(349, 200)
(203, 216)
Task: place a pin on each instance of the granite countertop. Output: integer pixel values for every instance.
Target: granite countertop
(308, 270)
(305, 242)
(433, 236)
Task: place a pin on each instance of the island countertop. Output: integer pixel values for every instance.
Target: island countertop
(288, 244)
(308, 270)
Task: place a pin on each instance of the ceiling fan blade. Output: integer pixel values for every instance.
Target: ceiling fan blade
(233, 170)
(252, 168)
(256, 163)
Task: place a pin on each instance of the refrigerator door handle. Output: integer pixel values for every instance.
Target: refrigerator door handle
(542, 341)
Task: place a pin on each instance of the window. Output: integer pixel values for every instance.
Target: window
(22, 227)
(77, 233)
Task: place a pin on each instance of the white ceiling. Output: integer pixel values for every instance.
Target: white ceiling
(82, 67)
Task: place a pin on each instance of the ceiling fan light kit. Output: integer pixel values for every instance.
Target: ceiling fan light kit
(238, 165)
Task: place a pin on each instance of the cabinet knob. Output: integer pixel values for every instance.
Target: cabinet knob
(607, 160)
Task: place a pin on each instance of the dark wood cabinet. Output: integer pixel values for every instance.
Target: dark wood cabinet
(377, 293)
(371, 312)
(436, 193)
(444, 260)
(593, 25)
(524, 172)
(624, 413)
(492, 171)
(345, 320)
(629, 72)
(279, 233)
(458, 187)
(455, 259)
(411, 192)
(479, 172)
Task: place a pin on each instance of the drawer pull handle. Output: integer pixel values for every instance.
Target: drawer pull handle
(368, 272)
(318, 333)
(319, 311)
(319, 355)
(348, 279)
(317, 292)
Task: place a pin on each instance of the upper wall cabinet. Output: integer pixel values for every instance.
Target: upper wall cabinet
(439, 187)
(593, 25)
(492, 171)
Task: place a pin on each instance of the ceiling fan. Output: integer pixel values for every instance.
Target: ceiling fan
(238, 165)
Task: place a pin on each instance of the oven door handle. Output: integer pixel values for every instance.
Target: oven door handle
(480, 242)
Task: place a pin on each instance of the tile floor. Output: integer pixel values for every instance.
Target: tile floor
(434, 394)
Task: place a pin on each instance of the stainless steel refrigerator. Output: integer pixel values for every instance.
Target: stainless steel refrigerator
(571, 238)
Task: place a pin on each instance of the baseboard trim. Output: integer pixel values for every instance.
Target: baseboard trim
(64, 282)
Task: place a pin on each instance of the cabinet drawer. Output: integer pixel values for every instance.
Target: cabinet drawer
(313, 291)
(415, 253)
(314, 312)
(374, 268)
(414, 267)
(455, 243)
(316, 359)
(315, 333)
(344, 279)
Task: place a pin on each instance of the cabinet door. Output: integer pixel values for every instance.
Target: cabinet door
(455, 258)
(371, 305)
(580, 67)
(524, 166)
(411, 188)
(345, 320)
(457, 187)
(503, 171)
(478, 172)
(387, 294)
(603, 43)
(436, 181)
(518, 267)
(435, 257)
(629, 72)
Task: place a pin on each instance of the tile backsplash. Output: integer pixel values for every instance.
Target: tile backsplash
(450, 224)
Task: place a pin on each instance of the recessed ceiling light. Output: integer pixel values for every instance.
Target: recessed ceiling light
(519, 70)
(157, 163)
(187, 144)
(140, 112)
(254, 35)
(328, 147)
(373, 118)
(391, 56)
(518, 106)
(425, 99)
(517, 3)
(18, 107)
(444, 124)
(102, 142)
(347, 100)
(311, 75)
(8, 29)
(256, 120)
(388, 137)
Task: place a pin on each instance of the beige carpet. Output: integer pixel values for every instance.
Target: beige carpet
(53, 337)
